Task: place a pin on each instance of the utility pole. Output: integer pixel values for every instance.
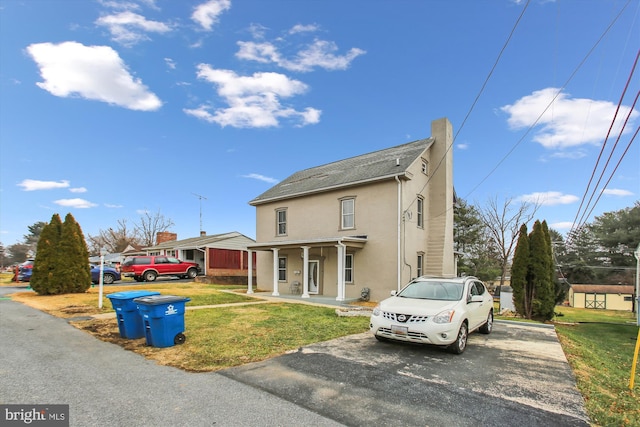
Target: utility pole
(200, 198)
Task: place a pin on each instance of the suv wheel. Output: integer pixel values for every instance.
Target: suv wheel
(150, 276)
(192, 273)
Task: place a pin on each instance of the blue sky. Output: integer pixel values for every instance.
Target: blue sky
(112, 108)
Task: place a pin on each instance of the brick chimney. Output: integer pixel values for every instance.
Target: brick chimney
(203, 233)
(165, 236)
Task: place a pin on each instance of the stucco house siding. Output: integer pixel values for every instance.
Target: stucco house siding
(319, 215)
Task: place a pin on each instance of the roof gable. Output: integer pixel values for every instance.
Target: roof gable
(368, 167)
(232, 240)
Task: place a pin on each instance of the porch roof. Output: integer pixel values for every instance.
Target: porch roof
(350, 241)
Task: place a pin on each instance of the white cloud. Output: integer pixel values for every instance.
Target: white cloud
(577, 154)
(549, 198)
(254, 101)
(170, 63)
(34, 184)
(109, 205)
(568, 122)
(261, 178)
(206, 14)
(562, 225)
(128, 28)
(462, 146)
(75, 203)
(90, 72)
(78, 190)
(617, 192)
(320, 53)
(299, 28)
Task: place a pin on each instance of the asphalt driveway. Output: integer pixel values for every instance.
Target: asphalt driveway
(518, 375)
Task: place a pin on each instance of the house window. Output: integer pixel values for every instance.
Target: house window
(348, 268)
(420, 212)
(281, 222)
(188, 254)
(170, 252)
(425, 167)
(348, 209)
(282, 269)
(420, 265)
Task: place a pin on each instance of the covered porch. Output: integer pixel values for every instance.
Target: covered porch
(309, 267)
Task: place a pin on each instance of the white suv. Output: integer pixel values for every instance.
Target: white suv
(437, 311)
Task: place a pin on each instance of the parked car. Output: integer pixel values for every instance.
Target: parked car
(24, 271)
(109, 274)
(437, 311)
(148, 268)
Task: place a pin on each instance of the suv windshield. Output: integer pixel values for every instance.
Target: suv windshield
(444, 291)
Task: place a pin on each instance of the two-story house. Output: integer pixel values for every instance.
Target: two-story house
(372, 221)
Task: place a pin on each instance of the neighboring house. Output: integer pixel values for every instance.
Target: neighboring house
(223, 258)
(610, 297)
(372, 221)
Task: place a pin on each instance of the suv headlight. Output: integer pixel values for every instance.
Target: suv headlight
(444, 316)
(376, 310)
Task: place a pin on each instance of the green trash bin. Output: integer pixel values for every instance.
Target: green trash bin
(129, 319)
(163, 319)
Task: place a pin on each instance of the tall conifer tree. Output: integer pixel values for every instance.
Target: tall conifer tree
(540, 268)
(519, 273)
(45, 264)
(74, 273)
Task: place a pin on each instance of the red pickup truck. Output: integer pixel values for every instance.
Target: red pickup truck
(148, 268)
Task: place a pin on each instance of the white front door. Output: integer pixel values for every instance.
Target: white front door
(314, 268)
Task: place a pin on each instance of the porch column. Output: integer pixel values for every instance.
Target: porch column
(250, 267)
(275, 272)
(341, 290)
(305, 271)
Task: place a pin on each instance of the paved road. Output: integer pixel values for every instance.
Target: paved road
(44, 360)
(518, 375)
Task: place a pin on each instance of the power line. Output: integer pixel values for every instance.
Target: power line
(578, 223)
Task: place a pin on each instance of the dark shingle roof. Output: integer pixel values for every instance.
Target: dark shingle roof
(365, 168)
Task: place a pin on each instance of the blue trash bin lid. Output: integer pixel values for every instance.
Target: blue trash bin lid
(160, 299)
(132, 294)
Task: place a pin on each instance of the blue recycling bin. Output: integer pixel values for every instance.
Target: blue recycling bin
(163, 319)
(129, 318)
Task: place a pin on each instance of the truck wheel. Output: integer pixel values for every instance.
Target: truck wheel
(150, 276)
(192, 273)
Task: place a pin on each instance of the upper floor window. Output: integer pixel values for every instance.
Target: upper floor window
(420, 211)
(425, 167)
(348, 268)
(281, 222)
(348, 212)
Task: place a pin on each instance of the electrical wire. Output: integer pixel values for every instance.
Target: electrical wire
(576, 222)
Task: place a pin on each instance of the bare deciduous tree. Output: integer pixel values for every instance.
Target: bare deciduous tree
(503, 222)
(113, 240)
(150, 225)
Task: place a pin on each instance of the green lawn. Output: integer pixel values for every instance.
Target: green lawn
(600, 351)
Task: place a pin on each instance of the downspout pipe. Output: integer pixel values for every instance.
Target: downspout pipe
(399, 230)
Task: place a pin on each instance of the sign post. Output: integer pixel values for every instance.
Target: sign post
(101, 281)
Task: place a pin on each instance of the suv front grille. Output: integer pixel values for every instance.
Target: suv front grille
(408, 318)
